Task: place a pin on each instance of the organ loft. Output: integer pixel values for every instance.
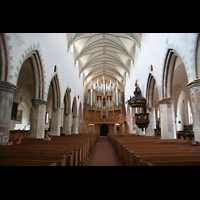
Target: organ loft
(105, 107)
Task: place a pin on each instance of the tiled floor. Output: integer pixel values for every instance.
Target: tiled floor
(103, 154)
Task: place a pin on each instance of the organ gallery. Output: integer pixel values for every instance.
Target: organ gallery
(104, 106)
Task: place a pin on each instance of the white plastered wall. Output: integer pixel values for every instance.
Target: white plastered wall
(53, 50)
(154, 47)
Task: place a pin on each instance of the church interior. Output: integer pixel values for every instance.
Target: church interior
(134, 94)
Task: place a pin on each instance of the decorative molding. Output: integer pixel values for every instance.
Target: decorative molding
(189, 64)
(13, 71)
(6, 86)
(167, 101)
(150, 109)
(195, 83)
(37, 102)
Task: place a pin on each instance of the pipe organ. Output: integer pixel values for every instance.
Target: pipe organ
(104, 106)
(104, 96)
(104, 100)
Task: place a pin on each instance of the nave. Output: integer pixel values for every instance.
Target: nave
(103, 154)
(95, 150)
(83, 83)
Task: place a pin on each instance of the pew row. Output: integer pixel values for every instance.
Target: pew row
(133, 150)
(68, 150)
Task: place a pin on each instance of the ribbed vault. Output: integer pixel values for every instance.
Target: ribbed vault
(96, 53)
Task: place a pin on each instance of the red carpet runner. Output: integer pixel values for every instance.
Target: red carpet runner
(103, 154)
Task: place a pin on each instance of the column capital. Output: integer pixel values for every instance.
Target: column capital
(7, 86)
(67, 114)
(37, 102)
(195, 83)
(167, 101)
(150, 109)
(57, 109)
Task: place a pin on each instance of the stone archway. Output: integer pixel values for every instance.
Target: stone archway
(67, 115)
(174, 73)
(152, 105)
(53, 107)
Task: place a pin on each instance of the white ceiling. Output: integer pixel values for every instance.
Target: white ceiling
(99, 52)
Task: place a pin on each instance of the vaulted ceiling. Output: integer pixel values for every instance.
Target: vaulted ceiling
(96, 53)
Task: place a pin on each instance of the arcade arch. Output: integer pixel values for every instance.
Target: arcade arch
(3, 59)
(30, 91)
(152, 105)
(53, 107)
(67, 115)
(75, 122)
(24, 94)
(174, 89)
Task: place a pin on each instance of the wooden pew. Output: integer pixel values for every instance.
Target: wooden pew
(173, 163)
(131, 150)
(75, 150)
(21, 162)
(146, 159)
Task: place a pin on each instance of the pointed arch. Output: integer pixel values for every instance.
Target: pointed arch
(80, 111)
(150, 91)
(67, 102)
(168, 71)
(37, 69)
(56, 92)
(74, 108)
(197, 57)
(3, 59)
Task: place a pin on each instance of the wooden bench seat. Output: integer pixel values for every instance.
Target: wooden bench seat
(62, 159)
(21, 162)
(137, 151)
(140, 160)
(60, 151)
(173, 163)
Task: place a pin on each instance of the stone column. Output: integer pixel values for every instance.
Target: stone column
(139, 131)
(80, 127)
(37, 118)
(130, 121)
(7, 91)
(134, 126)
(75, 125)
(152, 122)
(117, 102)
(194, 88)
(56, 121)
(167, 118)
(67, 124)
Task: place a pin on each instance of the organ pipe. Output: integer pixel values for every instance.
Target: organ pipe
(104, 88)
(117, 100)
(114, 99)
(91, 97)
(88, 99)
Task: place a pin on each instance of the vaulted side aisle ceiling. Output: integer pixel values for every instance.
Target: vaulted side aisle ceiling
(96, 53)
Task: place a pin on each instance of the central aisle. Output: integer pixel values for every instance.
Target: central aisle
(103, 154)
